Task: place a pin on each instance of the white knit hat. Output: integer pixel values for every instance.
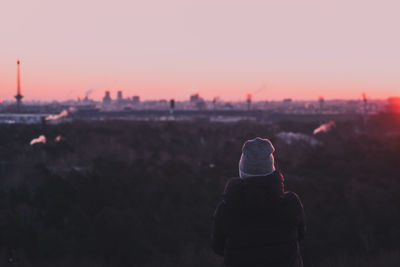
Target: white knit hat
(257, 158)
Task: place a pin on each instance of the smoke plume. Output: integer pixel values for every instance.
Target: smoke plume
(62, 114)
(290, 138)
(88, 92)
(40, 140)
(326, 127)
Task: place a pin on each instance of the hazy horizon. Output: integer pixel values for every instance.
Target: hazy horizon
(226, 49)
(182, 99)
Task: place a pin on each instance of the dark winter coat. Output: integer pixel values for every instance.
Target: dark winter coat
(258, 224)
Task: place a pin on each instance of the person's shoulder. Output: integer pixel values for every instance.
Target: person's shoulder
(232, 185)
(233, 192)
(295, 207)
(292, 198)
(291, 195)
(219, 209)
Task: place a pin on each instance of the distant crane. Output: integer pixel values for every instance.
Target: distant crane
(214, 102)
(365, 102)
(365, 107)
(19, 96)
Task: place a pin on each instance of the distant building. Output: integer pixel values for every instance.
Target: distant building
(194, 98)
(287, 100)
(228, 106)
(214, 102)
(197, 101)
(107, 98)
(120, 98)
(136, 99)
(201, 104)
(321, 102)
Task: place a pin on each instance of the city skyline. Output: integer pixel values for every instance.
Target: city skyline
(223, 49)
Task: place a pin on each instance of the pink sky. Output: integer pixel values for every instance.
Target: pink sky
(170, 49)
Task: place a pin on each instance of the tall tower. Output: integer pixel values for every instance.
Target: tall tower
(19, 96)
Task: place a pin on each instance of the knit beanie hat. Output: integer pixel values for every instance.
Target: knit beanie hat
(257, 158)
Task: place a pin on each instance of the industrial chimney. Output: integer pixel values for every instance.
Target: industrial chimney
(321, 102)
(248, 100)
(171, 106)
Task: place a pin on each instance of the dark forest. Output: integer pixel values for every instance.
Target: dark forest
(125, 193)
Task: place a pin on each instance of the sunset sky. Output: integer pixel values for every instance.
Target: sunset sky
(226, 48)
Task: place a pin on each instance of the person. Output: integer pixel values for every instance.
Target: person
(257, 223)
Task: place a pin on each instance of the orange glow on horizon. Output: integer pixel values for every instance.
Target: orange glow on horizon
(150, 86)
(394, 104)
(181, 91)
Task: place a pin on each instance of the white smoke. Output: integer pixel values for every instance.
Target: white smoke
(326, 127)
(62, 114)
(290, 138)
(40, 140)
(88, 92)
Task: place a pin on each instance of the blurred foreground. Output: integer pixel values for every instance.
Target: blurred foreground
(125, 193)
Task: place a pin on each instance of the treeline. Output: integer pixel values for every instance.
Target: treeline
(122, 193)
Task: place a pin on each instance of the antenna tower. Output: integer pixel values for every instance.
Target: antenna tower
(19, 96)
